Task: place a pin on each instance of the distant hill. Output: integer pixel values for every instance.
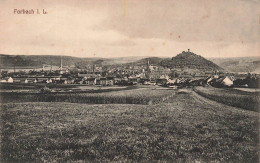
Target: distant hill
(121, 60)
(239, 64)
(38, 61)
(184, 60)
(143, 62)
(28, 61)
(190, 60)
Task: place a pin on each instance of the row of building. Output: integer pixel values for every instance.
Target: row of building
(80, 80)
(214, 80)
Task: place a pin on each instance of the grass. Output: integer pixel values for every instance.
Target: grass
(232, 97)
(15, 86)
(129, 95)
(182, 129)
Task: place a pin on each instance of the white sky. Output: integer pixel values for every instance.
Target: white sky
(118, 28)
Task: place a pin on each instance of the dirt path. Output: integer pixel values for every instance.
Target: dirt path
(203, 100)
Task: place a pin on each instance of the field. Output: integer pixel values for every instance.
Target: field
(233, 97)
(249, 89)
(129, 95)
(35, 88)
(183, 128)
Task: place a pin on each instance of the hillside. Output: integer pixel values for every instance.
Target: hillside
(143, 62)
(240, 64)
(25, 61)
(191, 61)
(184, 60)
(38, 61)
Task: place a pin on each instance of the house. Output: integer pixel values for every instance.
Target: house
(29, 80)
(10, 80)
(70, 81)
(141, 75)
(198, 82)
(62, 81)
(103, 81)
(34, 81)
(87, 75)
(110, 81)
(91, 81)
(41, 80)
(2, 81)
(209, 79)
(98, 81)
(149, 82)
(117, 80)
(225, 81)
(48, 81)
(171, 82)
(78, 81)
(24, 81)
(132, 80)
(161, 81)
(164, 77)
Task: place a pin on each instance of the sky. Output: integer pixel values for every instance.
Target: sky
(122, 28)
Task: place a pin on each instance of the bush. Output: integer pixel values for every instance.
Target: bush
(45, 90)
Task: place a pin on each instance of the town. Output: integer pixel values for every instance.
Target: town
(128, 74)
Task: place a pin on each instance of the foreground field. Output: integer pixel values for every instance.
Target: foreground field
(186, 128)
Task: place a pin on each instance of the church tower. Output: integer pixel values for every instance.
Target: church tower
(148, 64)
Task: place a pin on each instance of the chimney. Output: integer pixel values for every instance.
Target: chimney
(60, 62)
(14, 64)
(51, 67)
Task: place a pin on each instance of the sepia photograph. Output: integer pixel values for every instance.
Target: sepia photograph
(129, 81)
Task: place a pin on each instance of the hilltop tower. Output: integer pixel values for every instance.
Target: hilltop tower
(188, 50)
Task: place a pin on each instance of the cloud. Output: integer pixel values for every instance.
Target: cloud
(192, 20)
(131, 28)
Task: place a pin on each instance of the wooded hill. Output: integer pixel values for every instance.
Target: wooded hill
(38, 61)
(28, 61)
(191, 61)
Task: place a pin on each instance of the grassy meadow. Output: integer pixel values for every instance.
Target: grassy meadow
(184, 128)
(232, 97)
(129, 95)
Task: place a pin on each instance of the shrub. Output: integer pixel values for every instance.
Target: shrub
(45, 90)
